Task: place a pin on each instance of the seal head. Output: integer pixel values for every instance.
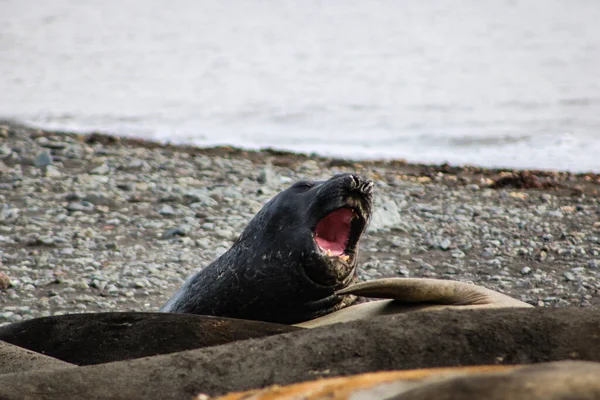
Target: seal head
(289, 261)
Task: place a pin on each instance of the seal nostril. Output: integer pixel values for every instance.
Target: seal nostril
(367, 187)
(355, 181)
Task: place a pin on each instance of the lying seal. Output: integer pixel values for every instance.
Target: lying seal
(96, 338)
(291, 258)
(553, 380)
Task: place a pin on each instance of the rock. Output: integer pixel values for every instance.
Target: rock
(102, 169)
(43, 159)
(445, 244)
(4, 281)
(266, 176)
(84, 206)
(386, 214)
(569, 276)
(174, 232)
(199, 198)
(166, 211)
(52, 172)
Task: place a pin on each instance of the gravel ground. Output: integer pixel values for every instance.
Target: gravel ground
(98, 223)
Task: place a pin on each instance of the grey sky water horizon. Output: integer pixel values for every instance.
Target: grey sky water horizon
(500, 83)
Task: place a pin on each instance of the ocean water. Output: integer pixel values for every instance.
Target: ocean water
(497, 83)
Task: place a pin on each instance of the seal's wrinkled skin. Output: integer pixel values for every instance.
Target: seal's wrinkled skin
(290, 260)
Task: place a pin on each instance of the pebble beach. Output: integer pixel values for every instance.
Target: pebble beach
(96, 222)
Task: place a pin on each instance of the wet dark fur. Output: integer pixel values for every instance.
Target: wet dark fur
(274, 271)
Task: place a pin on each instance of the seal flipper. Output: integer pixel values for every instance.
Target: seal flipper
(432, 291)
(414, 294)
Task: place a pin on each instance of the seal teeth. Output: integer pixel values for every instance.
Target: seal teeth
(345, 258)
(329, 253)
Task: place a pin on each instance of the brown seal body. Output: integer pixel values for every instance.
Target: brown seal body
(290, 260)
(95, 338)
(563, 380)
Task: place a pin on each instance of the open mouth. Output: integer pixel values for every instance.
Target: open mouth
(337, 234)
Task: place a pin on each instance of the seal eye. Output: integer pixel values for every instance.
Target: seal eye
(305, 185)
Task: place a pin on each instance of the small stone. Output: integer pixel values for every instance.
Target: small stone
(126, 186)
(103, 169)
(543, 255)
(82, 285)
(6, 315)
(569, 276)
(84, 206)
(43, 159)
(445, 244)
(457, 253)
(67, 251)
(112, 289)
(266, 176)
(54, 144)
(208, 226)
(224, 233)
(166, 211)
(174, 232)
(525, 271)
(52, 172)
(386, 215)
(4, 281)
(488, 253)
(15, 318)
(139, 285)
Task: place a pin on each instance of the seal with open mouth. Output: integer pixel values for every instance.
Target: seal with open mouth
(290, 260)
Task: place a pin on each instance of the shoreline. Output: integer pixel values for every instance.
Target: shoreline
(104, 223)
(423, 168)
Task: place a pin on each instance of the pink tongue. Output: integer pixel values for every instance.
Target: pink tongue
(332, 231)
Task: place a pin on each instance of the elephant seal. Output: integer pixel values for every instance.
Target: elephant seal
(290, 260)
(409, 341)
(553, 380)
(414, 294)
(96, 338)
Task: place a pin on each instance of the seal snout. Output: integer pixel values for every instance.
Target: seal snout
(362, 185)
